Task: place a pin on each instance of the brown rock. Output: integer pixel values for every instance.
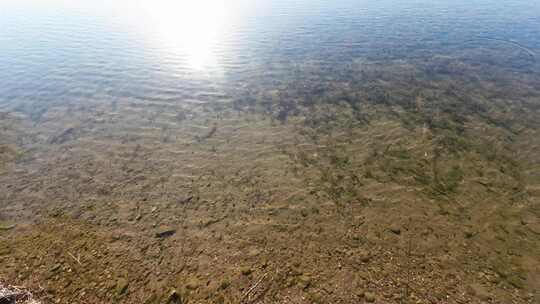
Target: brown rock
(246, 270)
(163, 232)
(394, 228)
(369, 297)
(121, 286)
(479, 291)
(192, 283)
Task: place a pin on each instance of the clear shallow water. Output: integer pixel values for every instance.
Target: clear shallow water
(268, 132)
(55, 52)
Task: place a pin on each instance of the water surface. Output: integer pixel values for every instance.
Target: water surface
(191, 51)
(270, 151)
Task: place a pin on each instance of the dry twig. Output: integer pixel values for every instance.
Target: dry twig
(246, 294)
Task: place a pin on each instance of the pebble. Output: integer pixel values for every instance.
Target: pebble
(479, 291)
(364, 256)
(174, 297)
(165, 232)
(304, 281)
(224, 284)
(370, 297)
(395, 229)
(246, 271)
(121, 286)
(192, 283)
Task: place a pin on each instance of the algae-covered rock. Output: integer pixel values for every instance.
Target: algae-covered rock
(121, 286)
(479, 291)
(516, 280)
(224, 284)
(246, 270)
(193, 283)
(369, 297)
(6, 226)
(304, 281)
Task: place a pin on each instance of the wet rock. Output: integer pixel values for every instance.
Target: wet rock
(68, 134)
(121, 286)
(5, 250)
(315, 297)
(479, 291)
(493, 279)
(395, 229)
(516, 280)
(254, 252)
(174, 297)
(532, 222)
(359, 220)
(224, 284)
(185, 199)
(163, 232)
(109, 285)
(364, 256)
(5, 226)
(304, 281)
(369, 297)
(153, 298)
(193, 283)
(362, 275)
(246, 270)
(295, 271)
(219, 299)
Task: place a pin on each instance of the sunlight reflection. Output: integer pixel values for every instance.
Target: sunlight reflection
(190, 28)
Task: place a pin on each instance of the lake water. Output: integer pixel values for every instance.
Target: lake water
(198, 51)
(270, 151)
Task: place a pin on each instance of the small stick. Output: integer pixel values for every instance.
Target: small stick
(253, 287)
(76, 259)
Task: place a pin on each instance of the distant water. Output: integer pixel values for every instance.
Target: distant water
(57, 51)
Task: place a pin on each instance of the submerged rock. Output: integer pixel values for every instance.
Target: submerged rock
(479, 291)
(532, 222)
(6, 226)
(246, 270)
(369, 297)
(364, 256)
(193, 283)
(165, 232)
(121, 286)
(395, 229)
(304, 281)
(174, 297)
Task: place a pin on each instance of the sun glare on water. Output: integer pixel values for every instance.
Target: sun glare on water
(189, 28)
